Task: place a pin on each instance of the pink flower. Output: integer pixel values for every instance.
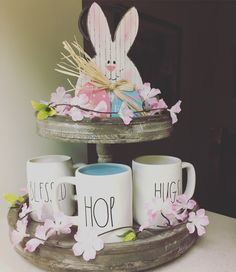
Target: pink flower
(32, 244)
(156, 105)
(62, 110)
(50, 227)
(181, 205)
(40, 238)
(168, 213)
(61, 224)
(61, 97)
(197, 221)
(174, 110)
(162, 104)
(148, 97)
(76, 113)
(25, 210)
(125, 113)
(81, 100)
(20, 232)
(88, 243)
(151, 103)
(183, 202)
(161, 213)
(153, 209)
(146, 92)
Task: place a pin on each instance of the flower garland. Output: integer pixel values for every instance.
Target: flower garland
(87, 242)
(182, 210)
(77, 107)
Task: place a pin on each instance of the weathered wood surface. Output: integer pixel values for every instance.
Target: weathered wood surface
(151, 249)
(106, 131)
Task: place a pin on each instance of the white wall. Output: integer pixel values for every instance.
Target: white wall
(31, 35)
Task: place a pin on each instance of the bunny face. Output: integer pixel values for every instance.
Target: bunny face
(111, 66)
(111, 56)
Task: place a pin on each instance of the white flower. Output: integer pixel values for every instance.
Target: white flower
(148, 96)
(157, 210)
(62, 99)
(174, 110)
(88, 243)
(76, 113)
(40, 238)
(197, 221)
(80, 100)
(60, 96)
(61, 224)
(20, 232)
(181, 205)
(125, 113)
(153, 209)
(146, 92)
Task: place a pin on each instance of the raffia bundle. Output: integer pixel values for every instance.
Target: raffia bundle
(79, 64)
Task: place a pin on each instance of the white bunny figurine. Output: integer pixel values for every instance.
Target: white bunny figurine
(111, 56)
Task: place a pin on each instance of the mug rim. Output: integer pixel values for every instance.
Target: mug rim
(43, 159)
(171, 160)
(103, 163)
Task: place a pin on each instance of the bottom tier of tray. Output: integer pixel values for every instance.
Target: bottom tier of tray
(151, 249)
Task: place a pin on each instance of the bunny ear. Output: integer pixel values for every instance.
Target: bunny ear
(127, 29)
(98, 27)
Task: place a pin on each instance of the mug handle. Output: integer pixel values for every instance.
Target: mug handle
(191, 179)
(55, 204)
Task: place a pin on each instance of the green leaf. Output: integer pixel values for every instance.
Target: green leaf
(52, 112)
(12, 199)
(37, 106)
(9, 198)
(42, 115)
(21, 199)
(129, 235)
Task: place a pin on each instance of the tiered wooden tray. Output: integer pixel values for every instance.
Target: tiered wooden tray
(152, 248)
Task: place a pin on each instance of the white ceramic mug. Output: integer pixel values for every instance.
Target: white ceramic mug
(104, 196)
(42, 175)
(158, 177)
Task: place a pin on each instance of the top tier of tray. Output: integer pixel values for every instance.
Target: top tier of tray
(107, 131)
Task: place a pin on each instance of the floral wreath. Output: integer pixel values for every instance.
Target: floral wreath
(182, 211)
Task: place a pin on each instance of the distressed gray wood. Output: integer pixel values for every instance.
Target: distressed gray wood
(151, 249)
(106, 131)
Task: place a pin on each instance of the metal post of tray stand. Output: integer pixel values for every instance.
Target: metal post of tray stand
(104, 152)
